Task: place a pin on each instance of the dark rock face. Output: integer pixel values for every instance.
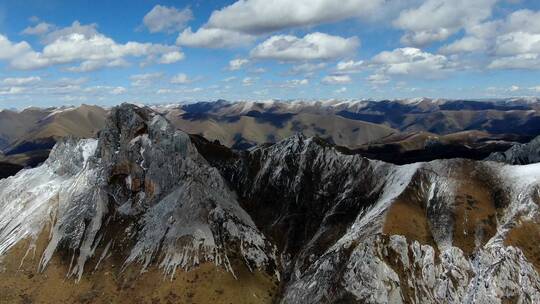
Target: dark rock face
(300, 188)
(9, 169)
(521, 154)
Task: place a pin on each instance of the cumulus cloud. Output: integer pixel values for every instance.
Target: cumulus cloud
(167, 19)
(83, 44)
(87, 30)
(118, 90)
(38, 29)
(314, 46)
(139, 80)
(181, 78)
(229, 79)
(412, 61)
(262, 16)
(293, 83)
(437, 20)
(10, 50)
(171, 57)
(464, 45)
(521, 61)
(213, 38)
(179, 91)
(237, 64)
(341, 90)
(510, 43)
(336, 79)
(21, 81)
(378, 79)
(92, 65)
(247, 81)
(307, 68)
(350, 66)
(240, 23)
(11, 91)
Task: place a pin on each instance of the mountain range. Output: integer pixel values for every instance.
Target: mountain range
(398, 131)
(145, 212)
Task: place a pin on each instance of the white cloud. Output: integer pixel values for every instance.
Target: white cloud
(229, 79)
(100, 90)
(87, 30)
(85, 47)
(293, 83)
(237, 64)
(521, 61)
(514, 88)
(179, 91)
(336, 79)
(412, 61)
(510, 43)
(118, 90)
(139, 80)
(213, 38)
(167, 19)
(314, 46)
(247, 81)
(307, 68)
(378, 79)
(517, 43)
(171, 57)
(10, 50)
(21, 81)
(262, 16)
(437, 20)
(464, 45)
(341, 90)
(350, 66)
(535, 89)
(92, 65)
(181, 78)
(38, 29)
(258, 71)
(11, 91)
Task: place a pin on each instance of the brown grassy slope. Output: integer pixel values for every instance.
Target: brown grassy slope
(83, 121)
(473, 211)
(20, 282)
(342, 131)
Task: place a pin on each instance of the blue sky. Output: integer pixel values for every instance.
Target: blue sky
(104, 52)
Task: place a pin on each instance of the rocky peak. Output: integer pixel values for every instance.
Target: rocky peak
(520, 154)
(141, 192)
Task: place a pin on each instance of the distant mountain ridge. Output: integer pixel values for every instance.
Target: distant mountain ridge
(400, 131)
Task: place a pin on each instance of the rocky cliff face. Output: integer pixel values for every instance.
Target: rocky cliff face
(334, 228)
(520, 154)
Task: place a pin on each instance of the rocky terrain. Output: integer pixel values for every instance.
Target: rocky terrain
(521, 154)
(149, 211)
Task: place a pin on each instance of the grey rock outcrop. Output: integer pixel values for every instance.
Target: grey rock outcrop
(520, 154)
